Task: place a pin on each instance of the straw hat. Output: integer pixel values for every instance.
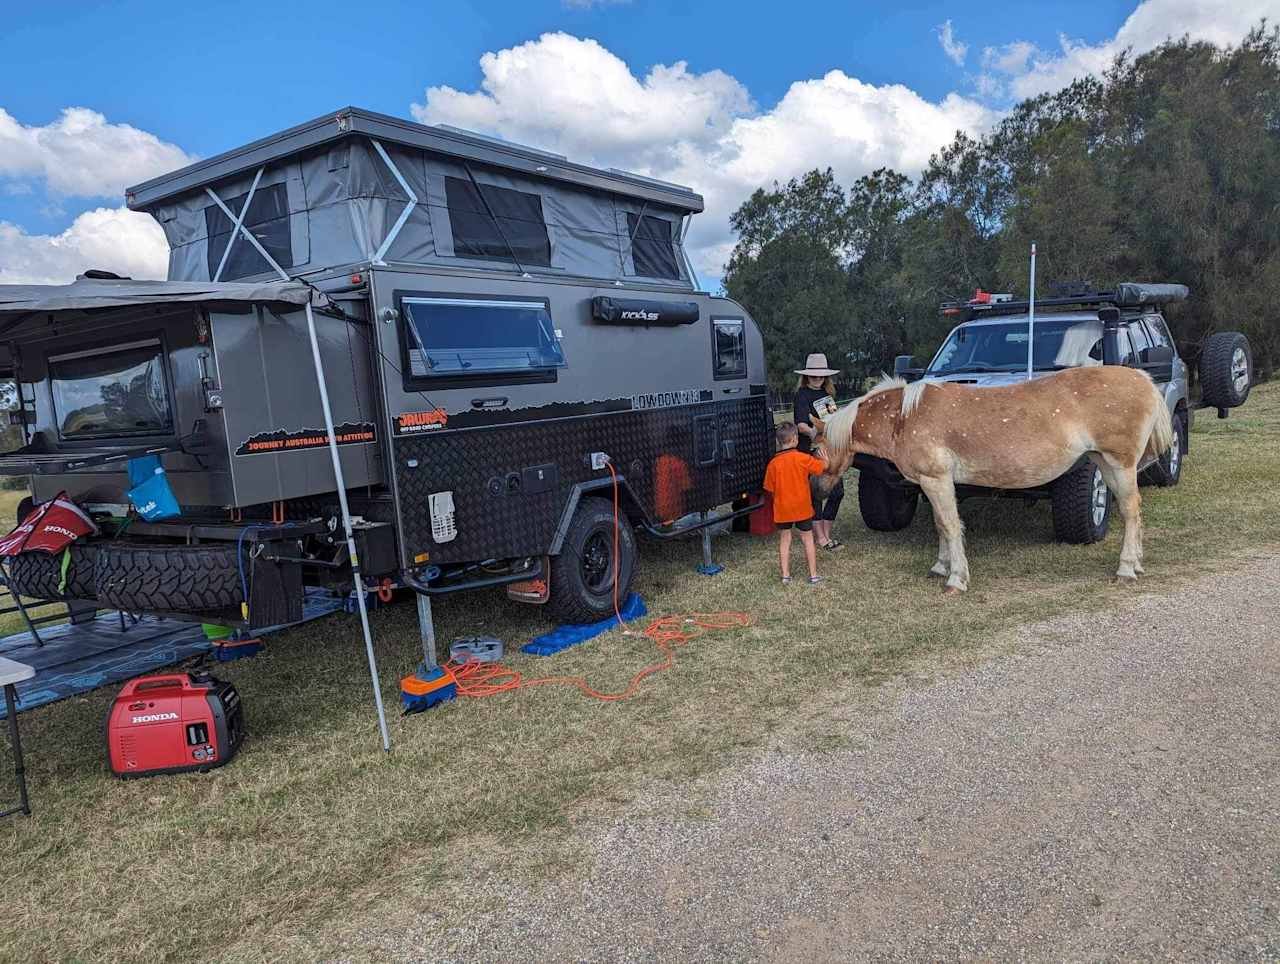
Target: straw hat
(816, 364)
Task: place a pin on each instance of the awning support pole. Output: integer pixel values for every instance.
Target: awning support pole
(356, 577)
(427, 627)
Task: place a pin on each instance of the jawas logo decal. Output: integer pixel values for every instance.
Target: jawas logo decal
(411, 423)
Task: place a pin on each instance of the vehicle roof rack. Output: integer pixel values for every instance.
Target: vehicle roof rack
(1127, 294)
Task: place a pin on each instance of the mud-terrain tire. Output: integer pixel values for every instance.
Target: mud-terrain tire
(1167, 470)
(1082, 506)
(37, 574)
(1226, 370)
(168, 579)
(885, 507)
(582, 573)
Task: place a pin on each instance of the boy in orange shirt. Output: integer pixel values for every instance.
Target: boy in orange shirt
(787, 479)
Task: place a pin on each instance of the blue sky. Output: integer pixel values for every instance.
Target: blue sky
(756, 99)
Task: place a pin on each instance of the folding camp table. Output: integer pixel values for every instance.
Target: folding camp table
(12, 672)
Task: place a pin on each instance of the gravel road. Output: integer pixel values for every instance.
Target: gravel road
(1110, 789)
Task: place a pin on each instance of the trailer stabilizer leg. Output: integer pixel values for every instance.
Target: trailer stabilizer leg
(708, 568)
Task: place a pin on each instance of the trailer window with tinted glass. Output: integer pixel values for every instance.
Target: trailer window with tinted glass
(730, 353)
(111, 393)
(452, 337)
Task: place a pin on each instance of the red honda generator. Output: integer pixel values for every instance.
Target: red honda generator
(173, 723)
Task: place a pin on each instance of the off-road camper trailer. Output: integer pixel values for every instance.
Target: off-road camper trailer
(489, 323)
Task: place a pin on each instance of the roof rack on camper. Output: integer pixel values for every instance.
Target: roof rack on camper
(355, 187)
(1127, 294)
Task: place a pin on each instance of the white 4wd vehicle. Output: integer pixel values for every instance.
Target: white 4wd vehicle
(1121, 327)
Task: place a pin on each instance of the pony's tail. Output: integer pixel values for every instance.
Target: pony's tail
(1162, 428)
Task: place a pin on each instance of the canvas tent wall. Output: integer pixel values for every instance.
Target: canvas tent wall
(356, 187)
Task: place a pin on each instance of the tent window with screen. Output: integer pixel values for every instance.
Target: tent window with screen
(267, 218)
(652, 251)
(516, 221)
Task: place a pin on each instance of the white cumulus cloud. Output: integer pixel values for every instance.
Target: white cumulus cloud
(114, 239)
(951, 46)
(1021, 69)
(574, 96)
(82, 155)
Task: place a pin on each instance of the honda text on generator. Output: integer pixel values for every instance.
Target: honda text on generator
(468, 333)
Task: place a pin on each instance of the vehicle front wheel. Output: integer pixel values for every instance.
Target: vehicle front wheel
(582, 575)
(1081, 506)
(885, 507)
(1168, 470)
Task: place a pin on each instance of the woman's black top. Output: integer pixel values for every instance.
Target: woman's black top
(811, 403)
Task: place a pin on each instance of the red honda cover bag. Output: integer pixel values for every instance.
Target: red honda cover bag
(49, 527)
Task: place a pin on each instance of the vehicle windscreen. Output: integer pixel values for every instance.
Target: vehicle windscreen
(111, 393)
(1070, 343)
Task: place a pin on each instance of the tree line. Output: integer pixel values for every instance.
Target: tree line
(1166, 168)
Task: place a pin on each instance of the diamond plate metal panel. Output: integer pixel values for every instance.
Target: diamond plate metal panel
(483, 468)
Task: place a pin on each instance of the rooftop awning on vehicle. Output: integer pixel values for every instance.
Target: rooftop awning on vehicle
(88, 294)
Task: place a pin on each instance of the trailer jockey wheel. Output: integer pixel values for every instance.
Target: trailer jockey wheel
(582, 574)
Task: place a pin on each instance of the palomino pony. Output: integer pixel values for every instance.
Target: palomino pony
(1008, 437)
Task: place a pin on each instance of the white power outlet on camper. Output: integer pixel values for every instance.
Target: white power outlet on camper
(599, 460)
(444, 527)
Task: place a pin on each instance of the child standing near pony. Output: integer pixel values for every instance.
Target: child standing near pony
(787, 480)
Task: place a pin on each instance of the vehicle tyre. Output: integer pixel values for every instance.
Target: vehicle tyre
(1081, 506)
(885, 507)
(1226, 370)
(168, 578)
(582, 574)
(37, 575)
(1168, 469)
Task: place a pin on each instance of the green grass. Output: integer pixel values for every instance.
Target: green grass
(313, 834)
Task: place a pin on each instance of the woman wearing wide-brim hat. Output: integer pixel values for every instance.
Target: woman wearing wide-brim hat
(815, 402)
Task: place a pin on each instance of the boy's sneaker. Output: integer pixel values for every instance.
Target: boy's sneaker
(814, 580)
(833, 544)
(786, 580)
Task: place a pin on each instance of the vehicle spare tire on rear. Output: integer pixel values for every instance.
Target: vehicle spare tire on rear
(168, 579)
(38, 575)
(1226, 370)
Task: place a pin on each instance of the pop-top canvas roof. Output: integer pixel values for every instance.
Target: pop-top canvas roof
(354, 187)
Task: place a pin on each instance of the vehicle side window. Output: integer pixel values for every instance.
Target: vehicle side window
(1141, 340)
(1127, 355)
(1159, 331)
(463, 337)
(729, 348)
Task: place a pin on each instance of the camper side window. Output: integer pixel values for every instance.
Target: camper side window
(457, 337)
(730, 354)
(652, 250)
(106, 394)
(483, 227)
(267, 220)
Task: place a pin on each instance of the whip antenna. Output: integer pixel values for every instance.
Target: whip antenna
(1031, 318)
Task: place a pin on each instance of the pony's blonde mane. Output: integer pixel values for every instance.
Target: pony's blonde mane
(839, 427)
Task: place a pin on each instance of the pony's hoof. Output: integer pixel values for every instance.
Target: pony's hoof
(951, 590)
(936, 573)
(1120, 580)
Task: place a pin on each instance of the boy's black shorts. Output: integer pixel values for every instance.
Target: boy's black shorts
(804, 525)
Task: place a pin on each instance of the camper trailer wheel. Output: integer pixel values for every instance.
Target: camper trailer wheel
(39, 574)
(582, 574)
(168, 578)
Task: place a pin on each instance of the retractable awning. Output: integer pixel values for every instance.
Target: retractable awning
(89, 294)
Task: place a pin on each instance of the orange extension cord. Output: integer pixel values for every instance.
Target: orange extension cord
(478, 679)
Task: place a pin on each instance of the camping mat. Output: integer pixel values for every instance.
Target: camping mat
(79, 658)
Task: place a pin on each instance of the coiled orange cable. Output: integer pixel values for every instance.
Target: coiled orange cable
(477, 679)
